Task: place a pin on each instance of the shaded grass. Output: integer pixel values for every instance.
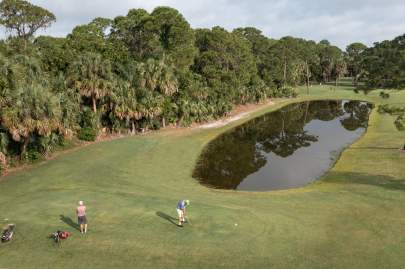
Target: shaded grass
(353, 218)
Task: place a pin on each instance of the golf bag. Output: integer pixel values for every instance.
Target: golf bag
(8, 233)
(59, 235)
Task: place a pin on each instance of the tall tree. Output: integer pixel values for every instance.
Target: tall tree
(310, 58)
(384, 64)
(176, 36)
(90, 37)
(292, 60)
(138, 32)
(225, 61)
(340, 69)
(23, 18)
(329, 56)
(91, 75)
(354, 60)
(260, 46)
(54, 53)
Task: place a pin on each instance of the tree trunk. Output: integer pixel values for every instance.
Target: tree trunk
(306, 112)
(24, 147)
(285, 72)
(282, 126)
(356, 80)
(307, 77)
(164, 122)
(94, 104)
(3, 163)
(180, 121)
(133, 131)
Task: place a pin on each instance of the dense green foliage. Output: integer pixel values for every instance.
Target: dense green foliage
(384, 64)
(87, 134)
(143, 71)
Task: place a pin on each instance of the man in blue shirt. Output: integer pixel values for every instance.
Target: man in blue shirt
(181, 211)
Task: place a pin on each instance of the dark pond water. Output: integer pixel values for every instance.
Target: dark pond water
(285, 149)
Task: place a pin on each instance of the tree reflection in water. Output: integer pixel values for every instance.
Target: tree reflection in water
(233, 156)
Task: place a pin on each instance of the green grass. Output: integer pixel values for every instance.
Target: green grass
(353, 218)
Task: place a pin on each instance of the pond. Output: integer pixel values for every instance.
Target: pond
(285, 149)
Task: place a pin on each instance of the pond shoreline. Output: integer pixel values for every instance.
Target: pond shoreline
(238, 114)
(282, 139)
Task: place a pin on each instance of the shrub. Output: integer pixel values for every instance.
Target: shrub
(88, 119)
(87, 134)
(288, 92)
(32, 155)
(393, 110)
(400, 123)
(156, 125)
(382, 109)
(384, 95)
(284, 92)
(47, 144)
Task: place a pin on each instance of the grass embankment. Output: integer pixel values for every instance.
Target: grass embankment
(353, 218)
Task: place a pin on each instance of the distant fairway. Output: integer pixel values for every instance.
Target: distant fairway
(353, 218)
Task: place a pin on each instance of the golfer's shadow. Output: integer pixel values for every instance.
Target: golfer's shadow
(167, 217)
(70, 222)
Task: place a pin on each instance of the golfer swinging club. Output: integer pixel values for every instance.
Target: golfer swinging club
(181, 211)
(81, 217)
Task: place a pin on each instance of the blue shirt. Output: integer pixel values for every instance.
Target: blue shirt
(181, 205)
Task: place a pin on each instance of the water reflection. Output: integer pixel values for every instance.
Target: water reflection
(285, 149)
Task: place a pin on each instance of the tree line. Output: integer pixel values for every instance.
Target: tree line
(141, 71)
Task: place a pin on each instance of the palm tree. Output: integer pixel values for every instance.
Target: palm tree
(18, 71)
(28, 68)
(155, 75)
(91, 75)
(150, 105)
(183, 109)
(158, 78)
(126, 106)
(35, 110)
(70, 108)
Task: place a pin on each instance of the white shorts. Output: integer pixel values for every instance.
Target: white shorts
(180, 213)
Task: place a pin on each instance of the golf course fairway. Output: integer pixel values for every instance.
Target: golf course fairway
(354, 217)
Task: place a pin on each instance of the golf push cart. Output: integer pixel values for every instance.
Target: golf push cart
(8, 233)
